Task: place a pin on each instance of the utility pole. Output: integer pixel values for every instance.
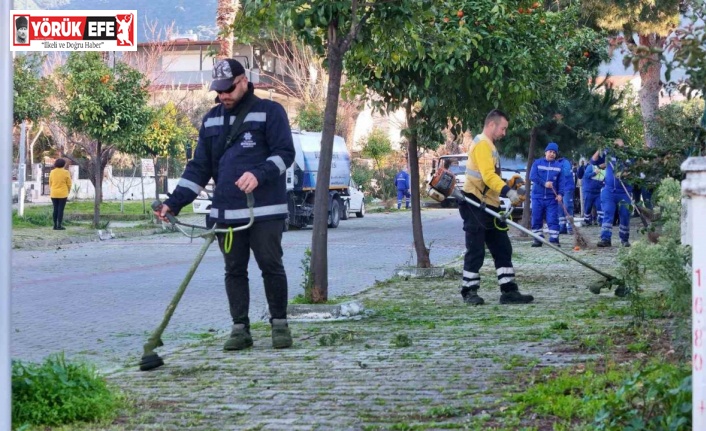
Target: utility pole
(6, 110)
(21, 170)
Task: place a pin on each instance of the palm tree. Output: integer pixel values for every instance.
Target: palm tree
(225, 15)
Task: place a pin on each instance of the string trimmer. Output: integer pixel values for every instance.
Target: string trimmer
(150, 359)
(443, 185)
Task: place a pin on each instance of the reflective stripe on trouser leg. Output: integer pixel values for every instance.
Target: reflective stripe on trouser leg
(553, 235)
(624, 207)
(608, 207)
(569, 205)
(470, 282)
(506, 275)
(553, 220)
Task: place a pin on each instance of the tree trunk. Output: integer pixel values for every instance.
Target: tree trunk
(417, 232)
(526, 211)
(225, 15)
(650, 68)
(319, 237)
(97, 184)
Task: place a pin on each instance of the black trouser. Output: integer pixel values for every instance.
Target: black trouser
(483, 229)
(265, 240)
(58, 214)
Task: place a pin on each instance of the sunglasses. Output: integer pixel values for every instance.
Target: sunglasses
(231, 88)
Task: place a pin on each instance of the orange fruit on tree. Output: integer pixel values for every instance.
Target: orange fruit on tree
(459, 14)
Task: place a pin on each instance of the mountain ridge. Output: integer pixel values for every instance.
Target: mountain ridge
(188, 17)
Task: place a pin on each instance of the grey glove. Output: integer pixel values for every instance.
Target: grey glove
(513, 196)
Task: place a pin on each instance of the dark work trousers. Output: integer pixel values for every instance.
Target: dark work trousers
(58, 214)
(483, 229)
(264, 238)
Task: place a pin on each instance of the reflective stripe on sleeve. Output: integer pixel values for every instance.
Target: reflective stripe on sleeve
(277, 160)
(190, 185)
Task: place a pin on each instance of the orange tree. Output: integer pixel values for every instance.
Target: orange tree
(101, 109)
(168, 134)
(332, 28)
(438, 60)
(456, 60)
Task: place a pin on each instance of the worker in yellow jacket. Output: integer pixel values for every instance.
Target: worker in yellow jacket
(485, 185)
(59, 188)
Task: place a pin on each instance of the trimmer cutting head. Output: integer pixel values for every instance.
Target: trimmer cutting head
(150, 362)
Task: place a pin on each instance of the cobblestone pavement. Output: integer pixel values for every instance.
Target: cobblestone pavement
(100, 300)
(418, 359)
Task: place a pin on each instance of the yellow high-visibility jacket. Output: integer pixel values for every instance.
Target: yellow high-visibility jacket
(483, 171)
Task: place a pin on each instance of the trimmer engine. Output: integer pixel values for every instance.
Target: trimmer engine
(441, 185)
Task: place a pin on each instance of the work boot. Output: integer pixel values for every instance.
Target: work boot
(472, 298)
(281, 335)
(511, 295)
(603, 243)
(240, 338)
(555, 243)
(536, 243)
(625, 243)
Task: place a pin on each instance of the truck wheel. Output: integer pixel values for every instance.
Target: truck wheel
(334, 216)
(290, 222)
(346, 210)
(361, 213)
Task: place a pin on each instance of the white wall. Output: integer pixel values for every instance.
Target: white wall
(111, 189)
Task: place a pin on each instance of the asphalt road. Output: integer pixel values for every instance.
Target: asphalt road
(100, 301)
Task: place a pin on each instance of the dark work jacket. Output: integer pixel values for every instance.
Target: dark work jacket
(264, 147)
(614, 167)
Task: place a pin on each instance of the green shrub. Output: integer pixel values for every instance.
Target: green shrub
(39, 216)
(668, 261)
(310, 117)
(56, 392)
(656, 398)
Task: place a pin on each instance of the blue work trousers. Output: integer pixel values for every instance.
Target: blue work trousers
(591, 200)
(546, 208)
(564, 223)
(403, 193)
(612, 201)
